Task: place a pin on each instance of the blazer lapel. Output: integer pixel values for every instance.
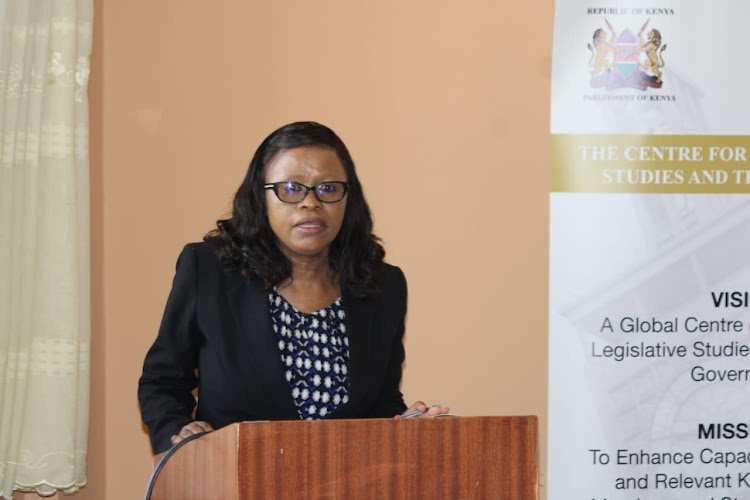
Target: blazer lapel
(359, 329)
(248, 301)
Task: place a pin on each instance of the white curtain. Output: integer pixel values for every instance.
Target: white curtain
(44, 244)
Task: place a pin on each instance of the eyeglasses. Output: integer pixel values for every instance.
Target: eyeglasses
(294, 192)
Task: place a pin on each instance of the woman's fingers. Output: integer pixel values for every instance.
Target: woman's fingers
(420, 409)
(417, 406)
(435, 410)
(204, 426)
(192, 428)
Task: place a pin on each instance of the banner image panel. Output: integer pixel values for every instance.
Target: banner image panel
(649, 326)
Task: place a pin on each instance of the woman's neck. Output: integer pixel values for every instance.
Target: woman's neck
(313, 285)
(310, 269)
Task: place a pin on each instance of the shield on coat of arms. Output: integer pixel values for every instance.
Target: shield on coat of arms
(626, 53)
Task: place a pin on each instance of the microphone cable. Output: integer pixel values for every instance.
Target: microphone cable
(160, 465)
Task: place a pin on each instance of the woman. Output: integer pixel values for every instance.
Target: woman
(286, 310)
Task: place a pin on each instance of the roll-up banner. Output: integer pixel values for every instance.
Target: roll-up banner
(650, 251)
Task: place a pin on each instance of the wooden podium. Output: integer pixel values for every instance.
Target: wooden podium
(446, 457)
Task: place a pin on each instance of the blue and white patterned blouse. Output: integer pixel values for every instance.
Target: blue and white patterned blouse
(315, 351)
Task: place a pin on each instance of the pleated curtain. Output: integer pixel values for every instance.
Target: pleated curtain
(44, 244)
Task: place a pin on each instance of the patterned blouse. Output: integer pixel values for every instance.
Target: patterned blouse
(315, 351)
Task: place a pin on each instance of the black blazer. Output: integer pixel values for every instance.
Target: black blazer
(217, 335)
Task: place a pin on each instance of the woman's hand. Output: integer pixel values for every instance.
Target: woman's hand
(419, 409)
(192, 428)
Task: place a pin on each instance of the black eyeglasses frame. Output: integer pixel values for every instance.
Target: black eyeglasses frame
(277, 185)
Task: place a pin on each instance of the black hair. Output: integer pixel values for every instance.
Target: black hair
(246, 243)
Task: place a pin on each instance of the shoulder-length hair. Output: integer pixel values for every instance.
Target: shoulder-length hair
(246, 243)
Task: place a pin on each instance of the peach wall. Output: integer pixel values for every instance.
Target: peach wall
(444, 106)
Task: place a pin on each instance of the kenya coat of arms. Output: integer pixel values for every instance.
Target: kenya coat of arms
(626, 60)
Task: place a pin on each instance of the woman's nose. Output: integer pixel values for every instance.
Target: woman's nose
(310, 201)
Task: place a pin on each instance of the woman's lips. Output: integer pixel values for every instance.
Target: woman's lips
(310, 225)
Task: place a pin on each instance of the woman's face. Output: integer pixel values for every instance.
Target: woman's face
(307, 228)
